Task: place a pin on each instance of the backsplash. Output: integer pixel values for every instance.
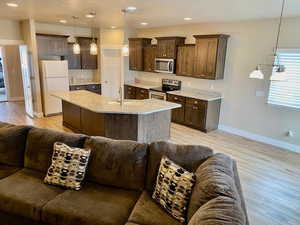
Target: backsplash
(187, 82)
(76, 76)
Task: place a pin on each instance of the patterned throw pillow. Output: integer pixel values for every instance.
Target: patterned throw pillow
(68, 166)
(173, 188)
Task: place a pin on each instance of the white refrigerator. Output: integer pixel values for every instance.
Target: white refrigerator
(54, 78)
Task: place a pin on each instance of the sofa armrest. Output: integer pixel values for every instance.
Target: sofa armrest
(239, 188)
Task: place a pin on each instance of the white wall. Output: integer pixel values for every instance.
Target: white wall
(250, 43)
(10, 33)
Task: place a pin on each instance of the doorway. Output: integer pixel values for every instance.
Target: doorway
(3, 95)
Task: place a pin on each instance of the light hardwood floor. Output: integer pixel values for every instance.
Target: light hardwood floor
(270, 176)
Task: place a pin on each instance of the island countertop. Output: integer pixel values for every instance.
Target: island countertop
(101, 104)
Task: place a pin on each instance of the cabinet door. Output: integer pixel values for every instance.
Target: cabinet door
(161, 49)
(74, 61)
(130, 92)
(177, 114)
(136, 60)
(206, 58)
(149, 58)
(194, 117)
(142, 93)
(88, 61)
(185, 60)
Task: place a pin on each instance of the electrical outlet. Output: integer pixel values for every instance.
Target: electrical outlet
(290, 133)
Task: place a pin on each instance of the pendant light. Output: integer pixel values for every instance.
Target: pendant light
(93, 45)
(278, 73)
(125, 48)
(76, 46)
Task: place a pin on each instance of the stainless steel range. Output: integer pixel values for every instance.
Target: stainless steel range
(167, 85)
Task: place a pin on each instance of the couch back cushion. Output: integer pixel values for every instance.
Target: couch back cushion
(187, 156)
(214, 178)
(117, 163)
(40, 143)
(219, 211)
(12, 144)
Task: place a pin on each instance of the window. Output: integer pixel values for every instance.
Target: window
(287, 93)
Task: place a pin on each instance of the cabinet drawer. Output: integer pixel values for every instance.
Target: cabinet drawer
(176, 98)
(195, 102)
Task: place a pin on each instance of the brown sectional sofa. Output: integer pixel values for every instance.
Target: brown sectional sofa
(118, 185)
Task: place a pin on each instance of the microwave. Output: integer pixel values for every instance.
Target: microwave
(164, 65)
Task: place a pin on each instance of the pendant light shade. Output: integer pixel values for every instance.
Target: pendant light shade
(93, 48)
(125, 50)
(257, 74)
(76, 48)
(279, 74)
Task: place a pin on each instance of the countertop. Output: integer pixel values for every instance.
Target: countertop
(198, 94)
(84, 83)
(100, 104)
(144, 85)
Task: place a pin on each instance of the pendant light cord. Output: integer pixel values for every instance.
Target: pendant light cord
(279, 31)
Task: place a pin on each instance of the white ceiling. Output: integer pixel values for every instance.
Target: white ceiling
(155, 12)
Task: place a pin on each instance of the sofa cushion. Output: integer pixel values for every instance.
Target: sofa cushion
(93, 204)
(219, 211)
(213, 178)
(148, 212)
(12, 145)
(3, 124)
(6, 171)
(39, 147)
(68, 166)
(24, 193)
(173, 188)
(117, 163)
(187, 156)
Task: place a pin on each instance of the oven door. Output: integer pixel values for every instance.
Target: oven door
(164, 65)
(158, 95)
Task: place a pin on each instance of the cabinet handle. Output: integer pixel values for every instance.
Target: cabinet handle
(194, 107)
(195, 102)
(176, 98)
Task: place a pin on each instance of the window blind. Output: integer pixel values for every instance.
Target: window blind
(287, 93)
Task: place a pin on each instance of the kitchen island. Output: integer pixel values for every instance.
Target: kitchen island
(139, 120)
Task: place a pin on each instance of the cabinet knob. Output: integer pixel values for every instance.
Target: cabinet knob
(176, 98)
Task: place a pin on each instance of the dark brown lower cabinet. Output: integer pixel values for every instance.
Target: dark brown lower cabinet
(177, 114)
(142, 93)
(131, 92)
(96, 88)
(196, 113)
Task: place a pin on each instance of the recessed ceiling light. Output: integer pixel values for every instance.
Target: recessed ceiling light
(12, 4)
(113, 27)
(90, 15)
(63, 21)
(144, 24)
(187, 18)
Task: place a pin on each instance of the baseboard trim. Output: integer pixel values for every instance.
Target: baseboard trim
(259, 138)
(15, 99)
(38, 115)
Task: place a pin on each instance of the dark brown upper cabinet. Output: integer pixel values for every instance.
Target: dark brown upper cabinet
(51, 45)
(149, 58)
(210, 54)
(88, 61)
(136, 52)
(74, 61)
(167, 46)
(185, 60)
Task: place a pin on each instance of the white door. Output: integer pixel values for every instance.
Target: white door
(24, 58)
(111, 68)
